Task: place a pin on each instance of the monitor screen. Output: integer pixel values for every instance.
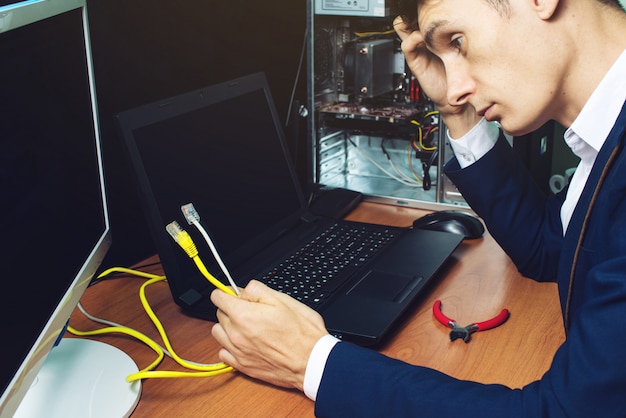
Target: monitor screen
(53, 219)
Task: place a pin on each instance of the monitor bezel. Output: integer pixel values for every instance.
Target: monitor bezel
(15, 16)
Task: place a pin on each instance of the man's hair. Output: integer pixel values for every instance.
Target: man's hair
(407, 9)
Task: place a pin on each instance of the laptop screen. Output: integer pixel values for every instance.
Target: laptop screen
(225, 158)
(222, 149)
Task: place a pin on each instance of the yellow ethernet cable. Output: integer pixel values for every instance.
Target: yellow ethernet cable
(193, 218)
(183, 239)
(201, 370)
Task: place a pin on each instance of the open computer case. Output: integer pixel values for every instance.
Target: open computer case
(370, 128)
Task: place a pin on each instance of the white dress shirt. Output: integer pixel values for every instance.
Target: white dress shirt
(585, 137)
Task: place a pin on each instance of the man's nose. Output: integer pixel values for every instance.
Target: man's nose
(460, 86)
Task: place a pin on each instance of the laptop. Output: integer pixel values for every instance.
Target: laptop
(223, 149)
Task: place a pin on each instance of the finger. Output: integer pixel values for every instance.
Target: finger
(226, 356)
(401, 28)
(413, 41)
(259, 292)
(222, 299)
(219, 334)
(398, 23)
(222, 318)
(255, 291)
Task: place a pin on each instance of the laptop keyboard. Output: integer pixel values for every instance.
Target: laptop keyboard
(313, 273)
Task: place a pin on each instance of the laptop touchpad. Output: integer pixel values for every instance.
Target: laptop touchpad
(385, 286)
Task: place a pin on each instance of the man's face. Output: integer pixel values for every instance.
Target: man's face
(500, 63)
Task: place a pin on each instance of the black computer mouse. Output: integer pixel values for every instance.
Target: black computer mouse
(454, 221)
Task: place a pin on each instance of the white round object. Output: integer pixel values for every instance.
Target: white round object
(82, 378)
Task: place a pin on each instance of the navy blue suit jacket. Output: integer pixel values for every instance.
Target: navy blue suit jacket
(588, 374)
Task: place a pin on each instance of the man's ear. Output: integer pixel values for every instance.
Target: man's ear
(546, 8)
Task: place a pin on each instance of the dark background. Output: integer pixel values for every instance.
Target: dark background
(149, 50)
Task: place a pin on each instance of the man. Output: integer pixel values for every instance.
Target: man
(520, 63)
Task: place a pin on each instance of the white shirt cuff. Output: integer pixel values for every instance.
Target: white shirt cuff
(476, 143)
(316, 364)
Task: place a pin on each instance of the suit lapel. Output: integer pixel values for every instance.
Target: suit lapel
(575, 235)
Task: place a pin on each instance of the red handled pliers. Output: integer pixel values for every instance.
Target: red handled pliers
(465, 332)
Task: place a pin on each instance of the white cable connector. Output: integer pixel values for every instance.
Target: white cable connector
(193, 218)
(190, 213)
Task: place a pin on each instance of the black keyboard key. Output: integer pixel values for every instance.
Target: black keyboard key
(324, 264)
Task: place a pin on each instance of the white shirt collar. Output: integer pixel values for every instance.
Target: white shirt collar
(590, 129)
(599, 114)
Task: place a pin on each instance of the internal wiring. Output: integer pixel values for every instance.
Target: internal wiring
(409, 157)
(365, 34)
(431, 113)
(429, 130)
(384, 170)
(395, 167)
(420, 137)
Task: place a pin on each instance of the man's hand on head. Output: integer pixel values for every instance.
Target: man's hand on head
(431, 75)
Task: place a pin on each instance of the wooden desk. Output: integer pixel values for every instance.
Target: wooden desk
(480, 282)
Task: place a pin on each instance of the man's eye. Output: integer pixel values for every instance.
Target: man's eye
(456, 43)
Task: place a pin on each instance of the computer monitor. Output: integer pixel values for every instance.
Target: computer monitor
(53, 213)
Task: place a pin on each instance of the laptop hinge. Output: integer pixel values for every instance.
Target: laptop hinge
(309, 217)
